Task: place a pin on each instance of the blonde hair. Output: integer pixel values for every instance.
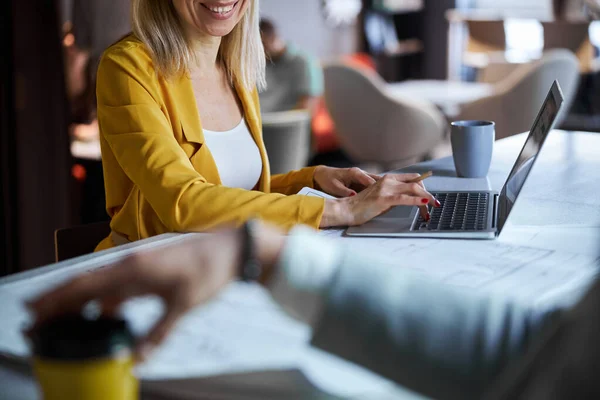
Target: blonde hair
(157, 25)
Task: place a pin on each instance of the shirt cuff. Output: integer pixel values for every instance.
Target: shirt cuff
(306, 268)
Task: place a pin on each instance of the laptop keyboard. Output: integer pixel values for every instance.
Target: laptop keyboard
(459, 212)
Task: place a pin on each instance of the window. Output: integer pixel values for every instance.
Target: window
(524, 39)
(341, 12)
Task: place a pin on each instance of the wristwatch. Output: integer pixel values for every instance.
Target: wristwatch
(250, 267)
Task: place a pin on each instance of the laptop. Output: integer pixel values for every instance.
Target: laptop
(470, 214)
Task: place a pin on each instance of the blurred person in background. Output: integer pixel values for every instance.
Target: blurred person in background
(181, 132)
(294, 79)
(438, 340)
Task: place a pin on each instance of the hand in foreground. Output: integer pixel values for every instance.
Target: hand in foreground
(184, 275)
(343, 182)
(389, 191)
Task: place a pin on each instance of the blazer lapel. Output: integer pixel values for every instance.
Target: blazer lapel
(185, 106)
(187, 110)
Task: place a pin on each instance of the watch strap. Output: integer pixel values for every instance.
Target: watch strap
(250, 269)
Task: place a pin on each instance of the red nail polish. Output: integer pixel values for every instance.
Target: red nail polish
(438, 204)
(424, 201)
(427, 218)
(352, 194)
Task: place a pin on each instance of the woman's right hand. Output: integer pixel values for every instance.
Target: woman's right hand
(389, 191)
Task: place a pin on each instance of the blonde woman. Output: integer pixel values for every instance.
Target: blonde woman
(181, 132)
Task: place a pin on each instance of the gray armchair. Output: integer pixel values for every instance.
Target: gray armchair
(374, 127)
(287, 138)
(518, 98)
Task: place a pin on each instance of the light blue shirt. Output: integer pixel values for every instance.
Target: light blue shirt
(427, 336)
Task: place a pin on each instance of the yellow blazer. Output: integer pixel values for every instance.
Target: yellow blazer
(159, 175)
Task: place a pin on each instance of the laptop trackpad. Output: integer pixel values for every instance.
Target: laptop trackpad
(397, 219)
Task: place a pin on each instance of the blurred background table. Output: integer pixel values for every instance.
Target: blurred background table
(448, 96)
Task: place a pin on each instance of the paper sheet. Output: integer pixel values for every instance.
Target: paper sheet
(581, 239)
(534, 275)
(566, 196)
(240, 330)
(306, 191)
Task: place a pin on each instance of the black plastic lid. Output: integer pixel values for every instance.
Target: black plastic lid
(79, 338)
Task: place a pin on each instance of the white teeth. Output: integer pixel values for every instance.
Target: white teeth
(221, 10)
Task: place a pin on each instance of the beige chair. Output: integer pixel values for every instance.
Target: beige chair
(287, 138)
(375, 128)
(518, 98)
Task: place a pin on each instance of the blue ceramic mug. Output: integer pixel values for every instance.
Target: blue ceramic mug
(472, 147)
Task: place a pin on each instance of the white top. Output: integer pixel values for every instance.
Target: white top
(236, 155)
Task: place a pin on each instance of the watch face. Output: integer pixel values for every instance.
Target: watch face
(341, 12)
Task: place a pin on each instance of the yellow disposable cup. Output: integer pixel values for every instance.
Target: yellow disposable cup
(100, 379)
(76, 358)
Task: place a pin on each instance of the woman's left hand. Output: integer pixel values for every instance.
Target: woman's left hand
(342, 182)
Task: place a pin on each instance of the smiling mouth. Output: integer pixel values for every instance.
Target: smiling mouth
(220, 10)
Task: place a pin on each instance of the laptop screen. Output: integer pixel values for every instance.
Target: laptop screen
(541, 127)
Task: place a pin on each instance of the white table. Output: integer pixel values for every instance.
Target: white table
(562, 196)
(449, 96)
